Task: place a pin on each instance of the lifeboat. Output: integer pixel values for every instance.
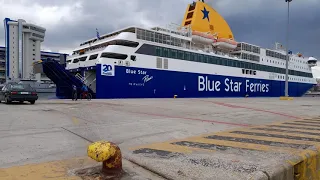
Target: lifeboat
(82, 51)
(203, 38)
(224, 43)
(312, 62)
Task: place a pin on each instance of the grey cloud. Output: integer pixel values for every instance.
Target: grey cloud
(258, 22)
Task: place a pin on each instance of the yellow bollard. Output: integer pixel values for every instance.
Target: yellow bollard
(108, 153)
(175, 96)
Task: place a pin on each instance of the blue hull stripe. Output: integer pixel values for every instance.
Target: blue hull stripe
(130, 82)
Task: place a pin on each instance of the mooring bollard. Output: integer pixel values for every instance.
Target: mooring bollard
(175, 96)
(108, 153)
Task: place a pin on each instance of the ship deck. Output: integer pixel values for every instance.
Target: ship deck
(214, 138)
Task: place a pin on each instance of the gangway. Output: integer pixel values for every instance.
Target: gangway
(61, 77)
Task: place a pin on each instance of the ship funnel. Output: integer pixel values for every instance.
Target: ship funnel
(201, 17)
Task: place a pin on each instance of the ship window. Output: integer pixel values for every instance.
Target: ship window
(200, 58)
(219, 61)
(152, 50)
(127, 43)
(180, 55)
(242, 65)
(114, 55)
(133, 57)
(187, 56)
(93, 57)
(75, 60)
(173, 53)
(229, 62)
(83, 58)
(158, 51)
(214, 60)
(205, 59)
(165, 52)
(191, 56)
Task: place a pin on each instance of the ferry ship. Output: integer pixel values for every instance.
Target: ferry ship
(199, 58)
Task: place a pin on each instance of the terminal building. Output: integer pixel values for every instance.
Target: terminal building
(60, 57)
(2, 65)
(22, 48)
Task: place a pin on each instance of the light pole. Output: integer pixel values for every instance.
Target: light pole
(287, 54)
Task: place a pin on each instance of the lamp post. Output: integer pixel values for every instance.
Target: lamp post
(287, 53)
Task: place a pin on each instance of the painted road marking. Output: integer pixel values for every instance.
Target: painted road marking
(301, 124)
(300, 138)
(75, 120)
(294, 127)
(288, 136)
(297, 132)
(58, 170)
(258, 142)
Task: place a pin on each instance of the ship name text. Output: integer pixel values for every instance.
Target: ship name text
(230, 85)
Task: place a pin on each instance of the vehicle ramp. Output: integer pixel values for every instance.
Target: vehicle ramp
(61, 77)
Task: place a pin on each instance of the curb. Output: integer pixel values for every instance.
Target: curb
(304, 165)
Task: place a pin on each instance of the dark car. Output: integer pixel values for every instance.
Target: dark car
(18, 92)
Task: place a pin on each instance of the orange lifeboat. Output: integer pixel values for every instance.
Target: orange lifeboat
(229, 41)
(224, 43)
(201, 37)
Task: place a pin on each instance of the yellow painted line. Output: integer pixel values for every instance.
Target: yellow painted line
(75, 120)
(307, 165)
(275, 139)
(249, 146)
(279, 132)
(57, 170)
(165, 146)
(265, 139)
(311, 119)
(302, 125)
(294, 128)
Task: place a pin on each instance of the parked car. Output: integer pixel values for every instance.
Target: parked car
(18, 92)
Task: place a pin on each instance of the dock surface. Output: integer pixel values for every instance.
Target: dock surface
(214, 138)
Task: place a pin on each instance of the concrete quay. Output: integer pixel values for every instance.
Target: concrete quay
(207, 138)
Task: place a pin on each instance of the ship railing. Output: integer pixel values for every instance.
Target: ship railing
(93, 80)
(147, 35)
(81, 78)
(85, 80)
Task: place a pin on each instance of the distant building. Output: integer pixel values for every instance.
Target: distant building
(22, 48)
(43, 55)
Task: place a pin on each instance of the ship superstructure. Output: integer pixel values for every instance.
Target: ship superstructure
(199, 58)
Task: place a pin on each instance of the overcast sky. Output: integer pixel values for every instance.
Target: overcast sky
(260, 22)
